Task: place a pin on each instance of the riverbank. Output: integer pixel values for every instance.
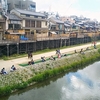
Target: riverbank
(8, 63)
(29, 75)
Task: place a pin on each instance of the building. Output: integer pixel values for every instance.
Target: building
(21, 4)
(3, 5)
(64, 18)
(56, 25)
(2, 26)
(13, 24)
(33, 23)
(67, 19)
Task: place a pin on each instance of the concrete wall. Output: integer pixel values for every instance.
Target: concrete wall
(21, 4)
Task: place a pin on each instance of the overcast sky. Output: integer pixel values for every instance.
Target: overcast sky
(87, 8)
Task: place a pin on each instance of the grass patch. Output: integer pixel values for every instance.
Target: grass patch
(38, 61)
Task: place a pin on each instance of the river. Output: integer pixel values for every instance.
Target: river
(82, 84)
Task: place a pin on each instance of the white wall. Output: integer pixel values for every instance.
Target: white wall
(0, 35)
(43, 24)
(23, 23)
(7, 24)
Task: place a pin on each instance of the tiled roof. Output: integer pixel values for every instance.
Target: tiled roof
(57, 20)
(13, 17)
(77, 25)
(30, 12)
(67, 25)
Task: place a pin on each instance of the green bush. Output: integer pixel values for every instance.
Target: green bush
(5, 91)
(22, 85)
(99, 50)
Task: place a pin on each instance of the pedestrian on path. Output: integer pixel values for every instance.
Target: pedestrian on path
(30, 55)
(94, 44)
(58, 53)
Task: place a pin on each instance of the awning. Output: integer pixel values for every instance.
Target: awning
(53, 32)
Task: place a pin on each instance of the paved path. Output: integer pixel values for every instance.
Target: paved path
(7, 64)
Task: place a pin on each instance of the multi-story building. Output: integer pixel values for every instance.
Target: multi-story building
(3, 9)
(13, 27)
(2, 26)
(21, 4)
(33, 23)
(3, 5)
(56, 25)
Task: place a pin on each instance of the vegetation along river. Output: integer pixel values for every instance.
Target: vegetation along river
(82, 84)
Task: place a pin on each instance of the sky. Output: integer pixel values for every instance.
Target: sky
(86, 8)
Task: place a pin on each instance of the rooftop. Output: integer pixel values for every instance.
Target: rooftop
(13, 17)
(57, 20)
(26, 12)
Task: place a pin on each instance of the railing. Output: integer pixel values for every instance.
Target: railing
(10, 38)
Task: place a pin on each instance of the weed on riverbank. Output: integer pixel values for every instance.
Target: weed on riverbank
(29, 75)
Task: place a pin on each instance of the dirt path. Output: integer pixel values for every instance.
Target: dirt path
(7, 64)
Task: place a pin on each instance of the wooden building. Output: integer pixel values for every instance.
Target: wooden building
(33, 23)
(2, 27)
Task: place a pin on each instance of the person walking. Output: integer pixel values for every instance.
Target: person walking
(94, 45)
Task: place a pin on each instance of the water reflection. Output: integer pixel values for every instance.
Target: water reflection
(80, 85)
(83, 84)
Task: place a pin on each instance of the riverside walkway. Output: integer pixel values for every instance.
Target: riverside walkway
(7, 64)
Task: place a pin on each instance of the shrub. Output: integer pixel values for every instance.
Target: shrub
(5, 91)
(22, 85)
(99, 50)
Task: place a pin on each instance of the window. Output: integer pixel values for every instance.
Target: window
(32, 32)
(60, 26)
(38, 24)
(45, 23)
(17, 6)
(1, 25)
(32, 6)
(74, 27)
(32, 23)
(27, 15)
(17, 26)
(43, 17)
(35, 16)
(37, 31)
(27, 23)
(10, 26)
(53, 28)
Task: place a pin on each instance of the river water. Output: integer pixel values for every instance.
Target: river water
(82, 84)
